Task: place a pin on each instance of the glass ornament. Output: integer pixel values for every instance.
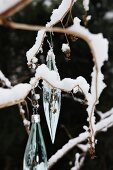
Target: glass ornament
(35, 157)
(51, 99)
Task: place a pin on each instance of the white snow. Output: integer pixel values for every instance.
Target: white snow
(83, 147)
(105, 115)
(34, 60)
(59, 13)
(104, 123)
(6, 4)
(26, 122)
(43, 72)
(65, 47)
(88, 17)
(99, 46)
(5, 80)
(56, 17)
(86, 4)
(67, 84)
(37, 96)
(21, 109)
(36, 47)
(33, 82)
(14, 95)
(68, 146)
(77, 164)
(79, 159)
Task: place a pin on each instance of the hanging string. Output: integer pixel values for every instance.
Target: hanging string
(69, 16)
(35, 153)
(65, 33)
(34, 102)
(51, 38)
(84, 17)
(27, 109)
(25, 121)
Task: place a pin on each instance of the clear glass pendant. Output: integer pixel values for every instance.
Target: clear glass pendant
(51, 99)
(35, 157)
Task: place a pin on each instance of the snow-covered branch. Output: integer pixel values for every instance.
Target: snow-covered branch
(5, 5)
(67, 84)
(96, 43)
(80, 157)
(4, 81)
(12, 95)
(105, 123)
(99, 49)
(9, 7)
(66, 148)
(62, 10)
(78, 161)
(57, 16)
(15, 95)
(86, 4)
(104, 115)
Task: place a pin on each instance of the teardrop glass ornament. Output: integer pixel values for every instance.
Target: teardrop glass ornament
(51, 99)
(35, 157)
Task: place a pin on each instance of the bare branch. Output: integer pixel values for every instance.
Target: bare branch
(14, 8)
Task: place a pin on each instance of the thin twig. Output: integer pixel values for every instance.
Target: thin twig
(107, 122)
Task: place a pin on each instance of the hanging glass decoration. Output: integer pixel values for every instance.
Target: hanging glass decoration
(35, 154)
(51, 99)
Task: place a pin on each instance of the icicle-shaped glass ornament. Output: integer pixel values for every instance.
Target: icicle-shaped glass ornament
(51, 99)
(35, 157)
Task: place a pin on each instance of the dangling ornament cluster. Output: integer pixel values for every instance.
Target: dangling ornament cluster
(35, 157)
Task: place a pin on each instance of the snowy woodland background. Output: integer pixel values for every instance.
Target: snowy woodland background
(73, 116)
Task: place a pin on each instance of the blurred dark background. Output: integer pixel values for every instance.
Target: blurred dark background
(13, 47)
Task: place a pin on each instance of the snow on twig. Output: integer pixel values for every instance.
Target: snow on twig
(83, 147)
(15, 95)
(99, 46)
(66, 148)
(105, 123)
(86, 4)
(4, 80)
(67, 84)
(5, 5)
(80, 157)
(78, 161)
(65, 47)
(104, 115)
(57, 15)
(36, 47)
(10, 7)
